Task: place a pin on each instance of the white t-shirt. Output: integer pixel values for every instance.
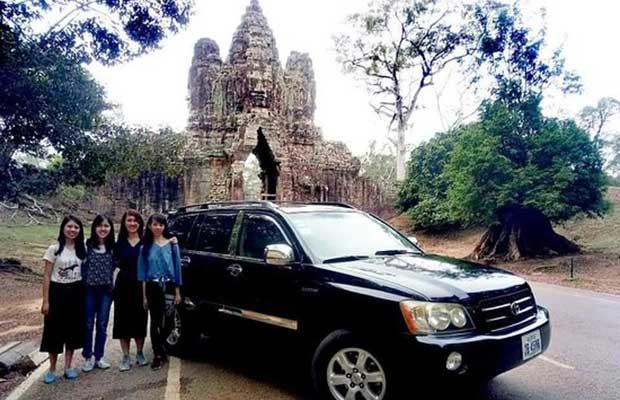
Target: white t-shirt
(66, 266)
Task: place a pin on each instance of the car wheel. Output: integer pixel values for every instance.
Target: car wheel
(347, 368)
(180, 336)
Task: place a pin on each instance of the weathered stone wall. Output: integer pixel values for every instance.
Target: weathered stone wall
(250, 104)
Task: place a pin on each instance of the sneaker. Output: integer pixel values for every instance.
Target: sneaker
(71, 374)
(49, 377)
(157, 363)
(125, 364)
(88, 365)
(102, 364)
(141, 360)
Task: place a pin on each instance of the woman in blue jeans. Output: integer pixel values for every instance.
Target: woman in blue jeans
(97, 276)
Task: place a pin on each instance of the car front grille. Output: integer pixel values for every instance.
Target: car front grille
(507, 312)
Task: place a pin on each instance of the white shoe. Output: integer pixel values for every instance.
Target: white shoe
(88, 365)
(125, 364)
(102, 364)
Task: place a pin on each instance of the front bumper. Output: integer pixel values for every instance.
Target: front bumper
(484, 356)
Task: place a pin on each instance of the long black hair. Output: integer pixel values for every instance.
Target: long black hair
(123, 234)
(148, 239)
(93, 240)
(80, 248)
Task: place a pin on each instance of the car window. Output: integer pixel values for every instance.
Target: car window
(258, 232)
(181, 226)
(346, 234)
(214, 233)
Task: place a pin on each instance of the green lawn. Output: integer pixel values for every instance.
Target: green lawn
(27, 243)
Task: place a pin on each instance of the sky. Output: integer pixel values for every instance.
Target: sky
(152, 89)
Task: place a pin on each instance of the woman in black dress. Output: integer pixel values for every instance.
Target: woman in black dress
(130, 317)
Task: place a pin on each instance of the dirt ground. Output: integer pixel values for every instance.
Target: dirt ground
(20, 296)
(597, 268)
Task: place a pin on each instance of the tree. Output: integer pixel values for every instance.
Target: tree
(109, 31)
(48, 101)
(596, 119)
(398, 47)
(510, 54)
(378, 165)
(514, 170)
(124, 151)
(424, 193)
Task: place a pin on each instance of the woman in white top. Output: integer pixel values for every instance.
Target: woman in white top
(63, 297)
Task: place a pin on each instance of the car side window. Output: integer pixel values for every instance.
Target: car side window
(181, 227)
(258, 232)
(214, 233)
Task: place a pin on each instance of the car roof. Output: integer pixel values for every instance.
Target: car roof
(288, 207)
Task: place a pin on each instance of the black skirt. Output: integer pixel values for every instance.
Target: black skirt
(130, 318)
(63, 326)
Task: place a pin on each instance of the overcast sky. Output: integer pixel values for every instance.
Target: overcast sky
(152, 90)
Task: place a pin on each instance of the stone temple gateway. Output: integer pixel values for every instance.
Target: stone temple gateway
(249, 104)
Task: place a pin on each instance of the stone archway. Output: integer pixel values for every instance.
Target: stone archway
(270, 167)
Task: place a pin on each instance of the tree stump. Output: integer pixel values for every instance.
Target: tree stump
(521, 232)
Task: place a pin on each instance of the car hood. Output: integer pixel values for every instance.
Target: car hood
(434, 277)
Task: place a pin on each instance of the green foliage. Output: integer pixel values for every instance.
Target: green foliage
(127, 29)
(45, 97)
(612, 180)
(510, 52)
(513, 157)
(127, 152)
(423, 193)
(74, 193)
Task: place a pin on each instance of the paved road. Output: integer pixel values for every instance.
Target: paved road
(583, 362)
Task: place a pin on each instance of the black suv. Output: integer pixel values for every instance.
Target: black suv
(371, 306)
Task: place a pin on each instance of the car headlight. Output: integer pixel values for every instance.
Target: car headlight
(427, 317)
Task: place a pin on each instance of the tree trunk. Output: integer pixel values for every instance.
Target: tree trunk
(519, 233)
(401, 154)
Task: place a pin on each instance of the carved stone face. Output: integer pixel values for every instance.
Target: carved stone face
(258, 88)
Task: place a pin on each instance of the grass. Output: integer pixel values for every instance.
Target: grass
(597, 235)
(27, 243)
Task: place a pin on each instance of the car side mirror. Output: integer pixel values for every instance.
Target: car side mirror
(413, 240)
(279, 254)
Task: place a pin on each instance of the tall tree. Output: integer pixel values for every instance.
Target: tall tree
(515, 170)
(518, 180)
(48, 101)
(398, 47)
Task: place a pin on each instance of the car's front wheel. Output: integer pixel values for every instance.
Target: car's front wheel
(347, 368)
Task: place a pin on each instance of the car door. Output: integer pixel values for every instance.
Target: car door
(208, 256)
(266, 293)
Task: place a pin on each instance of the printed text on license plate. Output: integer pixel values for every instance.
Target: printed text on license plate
(531, 344)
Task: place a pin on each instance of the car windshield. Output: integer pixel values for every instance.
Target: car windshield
(347, 236)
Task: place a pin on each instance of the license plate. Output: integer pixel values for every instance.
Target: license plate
(531, 344)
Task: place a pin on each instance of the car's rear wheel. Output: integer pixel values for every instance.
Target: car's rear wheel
(345, 367)
(180, 332)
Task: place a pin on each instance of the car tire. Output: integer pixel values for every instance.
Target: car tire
(181, 336)
(343, 362)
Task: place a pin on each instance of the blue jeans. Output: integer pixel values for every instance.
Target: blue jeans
(97, 305)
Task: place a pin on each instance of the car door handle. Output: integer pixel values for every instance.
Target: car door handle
(234, 270)
(185, 260)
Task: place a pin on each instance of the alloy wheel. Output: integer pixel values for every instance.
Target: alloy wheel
(355, 374)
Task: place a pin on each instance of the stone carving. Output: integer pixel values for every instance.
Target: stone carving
(248, 105)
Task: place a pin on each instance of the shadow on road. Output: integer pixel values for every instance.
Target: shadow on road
(279, 362)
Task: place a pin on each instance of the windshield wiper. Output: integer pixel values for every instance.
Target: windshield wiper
(395, 252)
(343, 259)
